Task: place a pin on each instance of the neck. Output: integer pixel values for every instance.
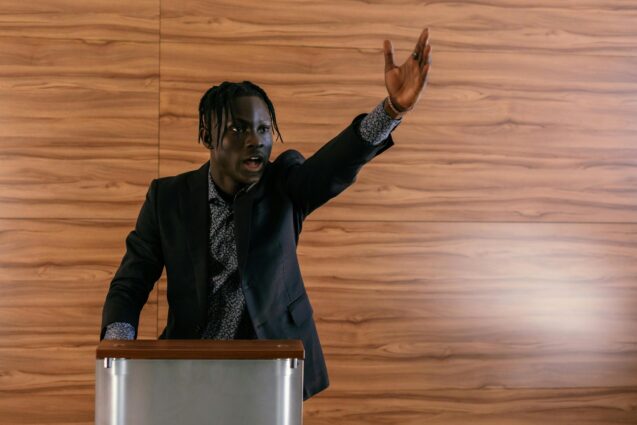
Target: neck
(225, 185)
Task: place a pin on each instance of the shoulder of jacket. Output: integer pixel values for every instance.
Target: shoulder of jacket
(163, 191)
(289, 157)
(176, 180)
(165, 183)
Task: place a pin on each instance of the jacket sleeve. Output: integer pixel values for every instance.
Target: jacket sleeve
(313, 181)
(140, 268)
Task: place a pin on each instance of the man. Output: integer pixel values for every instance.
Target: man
(227, 232)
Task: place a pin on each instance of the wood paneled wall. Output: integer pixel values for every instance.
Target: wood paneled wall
(483, 270)
(79, 101)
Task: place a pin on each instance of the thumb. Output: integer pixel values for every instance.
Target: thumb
(388, 48)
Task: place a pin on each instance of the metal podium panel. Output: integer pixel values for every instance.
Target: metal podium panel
(189, 392)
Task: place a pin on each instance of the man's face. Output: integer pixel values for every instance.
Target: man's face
(240, 158)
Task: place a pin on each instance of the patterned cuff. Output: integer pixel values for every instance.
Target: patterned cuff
(120, 330)
(377, 125)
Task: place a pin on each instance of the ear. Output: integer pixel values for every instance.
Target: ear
(205, 137)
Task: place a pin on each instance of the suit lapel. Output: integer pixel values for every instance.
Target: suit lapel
(195, 213)
(243, 215)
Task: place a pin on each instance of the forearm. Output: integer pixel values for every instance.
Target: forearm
(140, 268)
(312, 182)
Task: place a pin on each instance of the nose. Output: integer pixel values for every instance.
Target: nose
(253, 140)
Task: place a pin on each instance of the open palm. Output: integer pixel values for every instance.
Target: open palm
(405, 82)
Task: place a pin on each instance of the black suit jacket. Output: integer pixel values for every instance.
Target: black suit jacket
(172, 231)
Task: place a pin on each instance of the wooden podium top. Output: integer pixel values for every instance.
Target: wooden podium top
(202, 349)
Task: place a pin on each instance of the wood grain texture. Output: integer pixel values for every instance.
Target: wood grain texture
(517, 136)
(467, 305)
(79, 90)
(483, 406)
(462, 322)
(451, 323)
(55, 276)
(481, 271)
(202, 349)
(93, 22)
(594, 27)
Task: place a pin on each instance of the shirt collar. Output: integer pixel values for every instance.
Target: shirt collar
(213, 191)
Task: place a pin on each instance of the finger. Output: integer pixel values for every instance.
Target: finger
(422, 40)
(425, 57)
(424, 74)
(388, 48)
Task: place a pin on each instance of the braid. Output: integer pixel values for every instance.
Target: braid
(218, 99)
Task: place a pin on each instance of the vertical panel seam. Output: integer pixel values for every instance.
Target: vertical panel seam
(158, 142)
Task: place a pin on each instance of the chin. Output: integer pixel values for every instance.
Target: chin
(251, 178)
(254, 179)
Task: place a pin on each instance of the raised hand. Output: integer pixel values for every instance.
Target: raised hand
(405, 82)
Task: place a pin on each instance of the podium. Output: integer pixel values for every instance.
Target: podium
(188, 382)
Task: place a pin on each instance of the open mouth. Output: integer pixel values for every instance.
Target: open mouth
(253, 163)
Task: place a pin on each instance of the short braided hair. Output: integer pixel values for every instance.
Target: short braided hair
(217, 99)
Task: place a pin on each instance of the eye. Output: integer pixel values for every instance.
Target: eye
(236, 128)
(265, 128)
